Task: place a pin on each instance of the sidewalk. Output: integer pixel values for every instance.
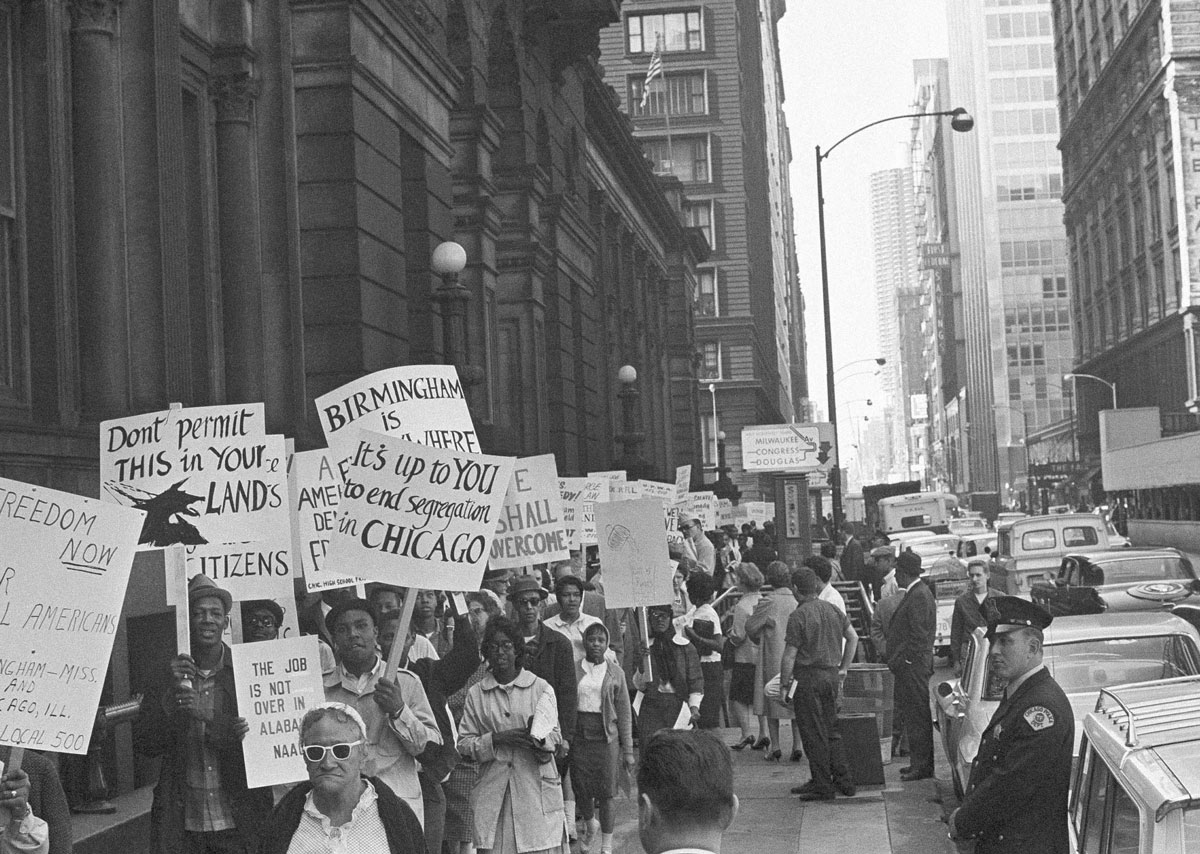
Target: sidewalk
(902, 818)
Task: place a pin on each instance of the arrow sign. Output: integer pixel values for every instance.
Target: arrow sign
(787, 447)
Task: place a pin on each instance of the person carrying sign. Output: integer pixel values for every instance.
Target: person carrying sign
(201, 803)
(400, 722)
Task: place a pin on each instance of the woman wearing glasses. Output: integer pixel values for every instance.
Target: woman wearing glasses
(340, 809)
(510, 727)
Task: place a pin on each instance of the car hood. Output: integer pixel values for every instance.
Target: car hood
(1148, 595)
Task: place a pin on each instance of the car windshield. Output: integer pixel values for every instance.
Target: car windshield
(1135, 570)
(1092, 664)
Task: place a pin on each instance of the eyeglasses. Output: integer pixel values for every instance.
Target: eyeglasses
(316, 752)
(529, 601)
(502, 646)
(686, 527)
(266, 622)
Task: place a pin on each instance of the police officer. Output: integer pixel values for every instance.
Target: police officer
(1017, 796)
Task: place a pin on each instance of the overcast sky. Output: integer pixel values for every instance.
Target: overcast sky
(846, 63)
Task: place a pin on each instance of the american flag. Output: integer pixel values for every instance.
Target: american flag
(655, 70)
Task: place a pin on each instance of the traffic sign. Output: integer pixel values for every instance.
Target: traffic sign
(795, 448)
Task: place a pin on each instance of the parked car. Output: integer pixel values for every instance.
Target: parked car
(965, 525)
(976, 547)
(1083, 654)
(1126, 579)
(1026, 549)
(1137, 780)
(1011, 516)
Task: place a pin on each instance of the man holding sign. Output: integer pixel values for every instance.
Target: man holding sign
(400, 722)
(201, 804)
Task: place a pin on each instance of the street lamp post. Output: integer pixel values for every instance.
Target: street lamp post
(631, 437)
(448, 261)
(961, 122)
(1111, 386)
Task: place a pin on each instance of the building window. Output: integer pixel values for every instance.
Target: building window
(1020, 57)
(1022, 90)
(683, 94)
(684, 157)
(1029, 188)
(676, 30)
(699, 214)
(1025, 122)
(1019, 25)
(1032, 254)
(1054, 286)
(710, 363)
(707, 304)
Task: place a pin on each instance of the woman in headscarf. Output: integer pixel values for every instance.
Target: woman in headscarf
(675, 677)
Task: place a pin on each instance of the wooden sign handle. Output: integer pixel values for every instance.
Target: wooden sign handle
(397, 652)
(176, 565)
(647, 668)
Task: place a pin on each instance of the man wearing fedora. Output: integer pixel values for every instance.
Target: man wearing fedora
(1016, 799)
(201, 803)
(910, 658)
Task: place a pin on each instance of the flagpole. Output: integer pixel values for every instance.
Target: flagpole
(666, 106)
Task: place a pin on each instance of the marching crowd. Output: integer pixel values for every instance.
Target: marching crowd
(511, 727)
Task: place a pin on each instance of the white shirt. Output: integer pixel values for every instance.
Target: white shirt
(363, 834)
(709, 614)
(591, 686)
(833, 597)
(574, 632)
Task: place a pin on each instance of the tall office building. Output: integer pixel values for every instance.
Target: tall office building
(893, 242)
(1013, 244)
(714, 119)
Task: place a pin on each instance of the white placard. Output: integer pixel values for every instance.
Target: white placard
(276, 682)
(788, 447)
(724, 512)
(64, 567)
(580, 496)
(633, 552)
(417, 516)
(683, 483)
(530, 528)
(316, 490)
(760, 512)
(261, 570)
(201, 478)
(702, 506)
(418, 403)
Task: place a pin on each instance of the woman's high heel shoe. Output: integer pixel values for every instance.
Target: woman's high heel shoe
(774, 756)
(762, 744)
(743, 744)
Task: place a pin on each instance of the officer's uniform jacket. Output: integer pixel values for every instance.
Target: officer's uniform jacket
(1017, 797)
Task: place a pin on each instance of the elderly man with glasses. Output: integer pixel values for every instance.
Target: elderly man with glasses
(340, 808)
(699, 548)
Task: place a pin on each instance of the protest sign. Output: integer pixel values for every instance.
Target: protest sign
(579, 497)
(417, 403)
(624, 490)
(64, 566)
(760, 512)
(530, 528)
(206, 475)
(316, 490)
(724, 512)
(417, 516)
(261, 570)
(702, 506)
(633, 552)
(683, 482)
(276, 682)
(666, 493)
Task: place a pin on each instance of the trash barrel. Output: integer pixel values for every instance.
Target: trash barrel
(868, 689)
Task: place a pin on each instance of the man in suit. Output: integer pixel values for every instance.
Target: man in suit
(910, 658)
(853, 566)
(1016, 799)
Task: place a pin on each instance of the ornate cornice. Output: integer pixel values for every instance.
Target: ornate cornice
(97, 16)
(233, 94)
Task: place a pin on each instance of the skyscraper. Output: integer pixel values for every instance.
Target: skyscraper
(715, 121)
(1014, 260)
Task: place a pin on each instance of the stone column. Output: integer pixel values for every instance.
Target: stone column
(96, 159)
(238, 227)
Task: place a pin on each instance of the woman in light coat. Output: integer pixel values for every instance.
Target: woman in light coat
(742, 684)
(510, 727)
(768, 627)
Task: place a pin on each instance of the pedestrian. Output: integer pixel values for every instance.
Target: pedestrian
(426, 622)
(593, 603)
(261, 620)
(1016, 798)
(703, 629)
(680, 603)
(853, 566)
(201, 802)
(821, 644)
(829, 552)
(823, 568)
(883, 577)
(385, 598)
(910, 658)
(685, 793)
(569, 620)
(968, 611)
(702, 549)
(340, 809)
(767, 626)
(400, 722)
(675, 678)
(881, 618)
(745, 659)
(498, 581)
(510, 727)
(603, 739)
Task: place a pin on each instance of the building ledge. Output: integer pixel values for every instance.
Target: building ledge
(128, 829)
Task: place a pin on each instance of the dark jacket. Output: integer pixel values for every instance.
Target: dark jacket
(46, 798)
(910, 633)
(685, 665)
(159, 733)
(853, 566)
(441, 678)
(552, 657)
(1017, 798)
(404, 833)
(965, 619)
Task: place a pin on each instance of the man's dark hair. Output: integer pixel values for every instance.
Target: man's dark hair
(828, 549)
(499, 628)
(821, 566)
(351, 605)
(778, 574)
(566, 581)
(688, 777)
(700, 587)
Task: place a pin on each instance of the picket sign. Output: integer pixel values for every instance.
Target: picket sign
(397, 652)
(175, 558)
(647, 669)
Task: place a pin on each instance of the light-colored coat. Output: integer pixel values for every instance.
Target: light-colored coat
(615, 708)
(768, 626)
(745, 651)
(535, 790)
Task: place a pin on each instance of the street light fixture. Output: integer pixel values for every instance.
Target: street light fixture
(878, 360)
(631, 437)
(960, 122)
(1111, 386)
(449, 259)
